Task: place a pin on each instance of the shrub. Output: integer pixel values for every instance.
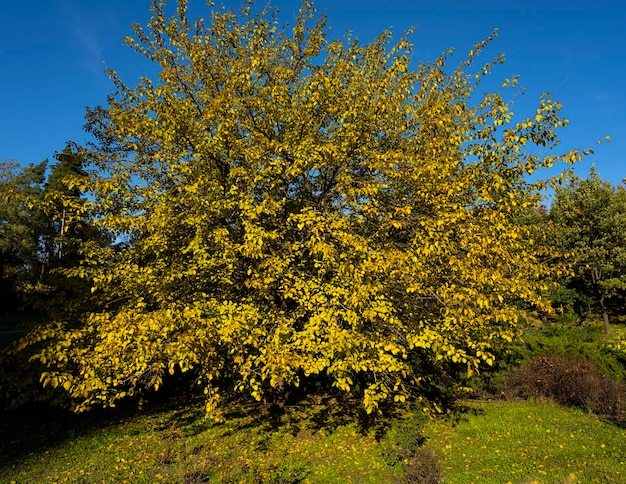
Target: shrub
(587, 341)
(570, 380)
(404, 443)
(423, 467)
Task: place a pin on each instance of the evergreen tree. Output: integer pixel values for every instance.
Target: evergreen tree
(21, 191)
(590, 217)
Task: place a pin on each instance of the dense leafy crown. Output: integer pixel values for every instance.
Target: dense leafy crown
(289, 207)
(589, 217)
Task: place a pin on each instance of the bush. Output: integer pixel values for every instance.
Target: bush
(586, 341)
(403, 443)
(423, 467)
(570, 380)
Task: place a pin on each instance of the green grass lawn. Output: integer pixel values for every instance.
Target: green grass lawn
(527, 441)
(315, 443)
(518, 442)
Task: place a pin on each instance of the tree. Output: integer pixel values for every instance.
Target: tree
(289, 208)
(62, 201)
(65, 229)
(41, 223)
(39, 238)
(20, 223)
(590, 217)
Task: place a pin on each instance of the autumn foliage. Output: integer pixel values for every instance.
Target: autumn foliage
(287, 207)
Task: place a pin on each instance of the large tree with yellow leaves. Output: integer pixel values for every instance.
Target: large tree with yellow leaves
(288, 207)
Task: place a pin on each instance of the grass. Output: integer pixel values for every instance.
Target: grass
(529, 441)
(322, 440)
(316, 442)
(175, 444)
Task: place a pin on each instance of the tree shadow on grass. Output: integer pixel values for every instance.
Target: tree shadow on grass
(37, 427)
(463, 411)
(328, 411)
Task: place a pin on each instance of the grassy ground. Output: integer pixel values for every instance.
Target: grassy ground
(523, 442)
(317, 442)
(176, 444)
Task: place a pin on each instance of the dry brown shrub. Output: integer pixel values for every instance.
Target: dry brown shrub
(571, 381)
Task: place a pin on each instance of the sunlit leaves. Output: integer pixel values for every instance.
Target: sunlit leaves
(294, 207)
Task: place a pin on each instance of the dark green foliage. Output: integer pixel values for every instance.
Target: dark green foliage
(66, 227)
(41, 223)
(19, 380)
(584, 341)
(588, 223)
(61, 229)
(20, 226)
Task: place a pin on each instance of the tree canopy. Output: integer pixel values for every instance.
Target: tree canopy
(288, 207)
(20, 228)
(590, 219)
(41, 220)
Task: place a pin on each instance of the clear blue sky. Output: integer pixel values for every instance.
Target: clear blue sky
(53, 53)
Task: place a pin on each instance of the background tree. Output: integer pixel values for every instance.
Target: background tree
(62, 229)
(296, 208)
(39, 234)
(590, 217)
(66, 228)
(39, 227)
(20, 225)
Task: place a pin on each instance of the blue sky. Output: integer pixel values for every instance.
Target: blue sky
(53, 54)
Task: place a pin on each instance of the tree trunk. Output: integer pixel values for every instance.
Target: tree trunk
(605, 316)
(275, 400)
